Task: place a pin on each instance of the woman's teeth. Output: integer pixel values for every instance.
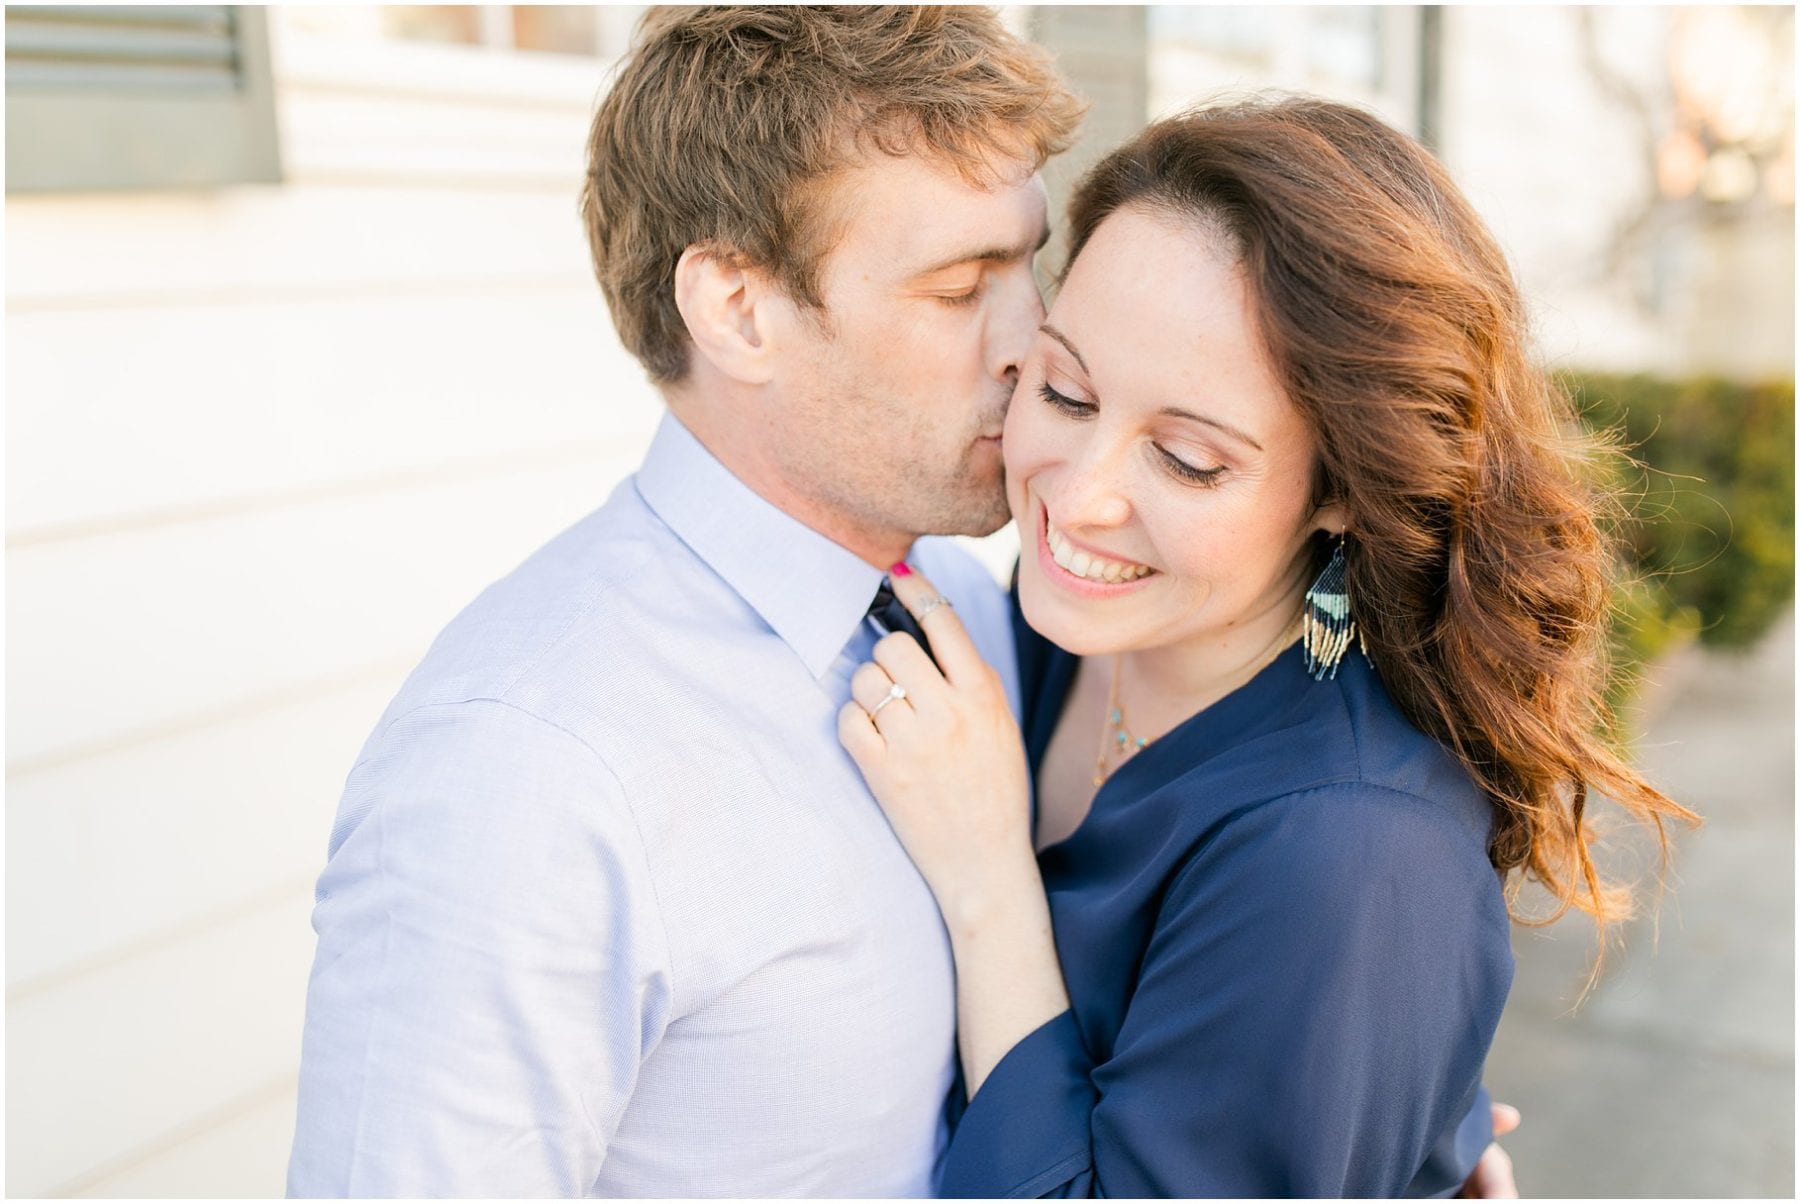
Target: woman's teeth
(1086, 564)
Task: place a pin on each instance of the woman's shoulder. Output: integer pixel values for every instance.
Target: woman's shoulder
(1392, 766)
(1354, 831)
(1354, 854)
(1339, 763)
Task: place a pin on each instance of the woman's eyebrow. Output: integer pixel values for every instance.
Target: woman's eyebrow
(1178, 412)
(1062, 338)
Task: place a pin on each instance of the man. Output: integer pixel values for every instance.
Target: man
(608, 911)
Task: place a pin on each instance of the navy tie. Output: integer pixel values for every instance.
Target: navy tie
(889, 616)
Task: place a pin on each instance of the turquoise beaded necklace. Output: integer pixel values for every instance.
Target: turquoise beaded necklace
(1115, 737)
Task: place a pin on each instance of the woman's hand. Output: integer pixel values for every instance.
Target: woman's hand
(946, 760)
(943, 756)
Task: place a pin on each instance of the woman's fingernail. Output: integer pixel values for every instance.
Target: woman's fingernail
(899, 569)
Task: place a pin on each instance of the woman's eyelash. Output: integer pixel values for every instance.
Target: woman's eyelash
(967, 298)
(1187, 472)
(1068, 405)
(1176, 465)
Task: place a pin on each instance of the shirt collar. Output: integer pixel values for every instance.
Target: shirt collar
(812, 592)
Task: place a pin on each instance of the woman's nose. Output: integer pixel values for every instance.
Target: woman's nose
(1094, 492)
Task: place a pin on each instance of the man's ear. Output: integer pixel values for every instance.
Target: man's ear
(724, 303)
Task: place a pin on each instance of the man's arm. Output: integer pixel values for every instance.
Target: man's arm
(491, 968)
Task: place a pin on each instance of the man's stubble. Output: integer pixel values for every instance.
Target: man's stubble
(887, 466)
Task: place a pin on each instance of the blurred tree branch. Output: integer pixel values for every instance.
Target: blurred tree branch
(1706, 161)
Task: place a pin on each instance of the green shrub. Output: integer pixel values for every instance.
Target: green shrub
(1710, 499)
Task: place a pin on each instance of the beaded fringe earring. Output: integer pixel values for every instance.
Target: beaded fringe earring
(1327, 626)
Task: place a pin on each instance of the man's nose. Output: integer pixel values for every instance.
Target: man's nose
(1021, 313)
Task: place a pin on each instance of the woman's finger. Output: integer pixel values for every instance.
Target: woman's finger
(950, 641)
(878, 695)
(907, 663)
(856, 732)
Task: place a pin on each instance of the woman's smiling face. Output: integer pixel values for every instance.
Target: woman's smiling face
(1161, 478)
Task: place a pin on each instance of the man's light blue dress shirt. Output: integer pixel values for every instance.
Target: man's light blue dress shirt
(607, 909)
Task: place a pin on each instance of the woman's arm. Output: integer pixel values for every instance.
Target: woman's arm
(1309, 1019)
(948, 766)
(1310, 1015)
(1008, 979)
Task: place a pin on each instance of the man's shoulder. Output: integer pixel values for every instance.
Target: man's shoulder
(565, 613)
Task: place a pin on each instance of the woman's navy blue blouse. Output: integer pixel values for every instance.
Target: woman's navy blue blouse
(1286, 953)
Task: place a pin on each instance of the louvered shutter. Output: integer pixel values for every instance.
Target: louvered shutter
(137, 97)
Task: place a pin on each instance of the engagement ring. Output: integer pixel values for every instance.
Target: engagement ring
(895, 693)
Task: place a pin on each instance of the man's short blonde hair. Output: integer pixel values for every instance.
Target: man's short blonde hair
(724, 122)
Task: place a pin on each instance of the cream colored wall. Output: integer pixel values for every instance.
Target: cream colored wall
(262, 444)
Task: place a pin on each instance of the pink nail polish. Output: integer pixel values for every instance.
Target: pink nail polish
(899, 569)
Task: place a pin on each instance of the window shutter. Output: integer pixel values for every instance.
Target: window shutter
(137, 97)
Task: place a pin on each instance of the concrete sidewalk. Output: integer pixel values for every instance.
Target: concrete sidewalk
(1676, 1076)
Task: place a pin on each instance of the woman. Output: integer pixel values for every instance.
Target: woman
(1316, 596)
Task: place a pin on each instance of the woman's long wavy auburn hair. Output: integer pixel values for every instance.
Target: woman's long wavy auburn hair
(1478, 569)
